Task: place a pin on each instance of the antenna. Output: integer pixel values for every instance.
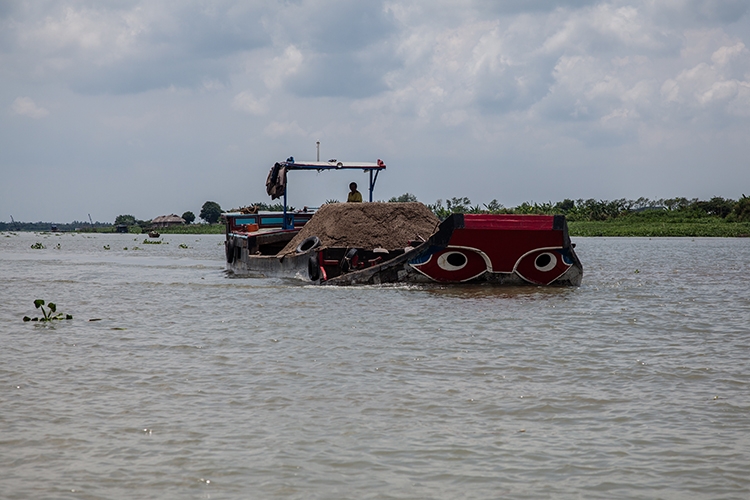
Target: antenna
(317, 144)
(92, 222)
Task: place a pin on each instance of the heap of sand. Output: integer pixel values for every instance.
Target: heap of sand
(367, 225)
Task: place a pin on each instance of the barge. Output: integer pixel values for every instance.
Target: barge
(375, 243)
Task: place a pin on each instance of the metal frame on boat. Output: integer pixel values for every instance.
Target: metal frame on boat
(276, 181)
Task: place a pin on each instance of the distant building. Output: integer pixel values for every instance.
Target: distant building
(167, 221)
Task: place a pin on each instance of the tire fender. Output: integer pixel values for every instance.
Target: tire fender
(308, 244)
(313, 270)
(346, 262)
(230, 249)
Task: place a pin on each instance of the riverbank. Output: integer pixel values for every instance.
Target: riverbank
(661, 224)
(708, 227)
(650, 223)
(186, 229)
(193, 229)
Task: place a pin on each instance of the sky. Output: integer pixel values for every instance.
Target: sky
(154, 107)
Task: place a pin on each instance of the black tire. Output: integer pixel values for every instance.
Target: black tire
(308, 244)
(230, 250)
(346, 263)
(313, 271)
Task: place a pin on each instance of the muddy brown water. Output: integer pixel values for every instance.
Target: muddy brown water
(196, 385)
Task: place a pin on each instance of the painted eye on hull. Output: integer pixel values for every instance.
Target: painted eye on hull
(545, 261)
(542, 266)
(452, 261)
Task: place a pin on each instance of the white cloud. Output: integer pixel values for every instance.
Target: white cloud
(26, 106)
(725, 55)
(283, 66)
(281, 129)
(245, 101)
(131, 46)
(718, 84)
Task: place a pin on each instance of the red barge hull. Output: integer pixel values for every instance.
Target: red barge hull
(470, 248)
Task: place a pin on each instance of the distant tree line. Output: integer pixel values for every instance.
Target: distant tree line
(598, 210)
(47, 226)
(575, 210)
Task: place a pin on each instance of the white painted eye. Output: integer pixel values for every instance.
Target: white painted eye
(452, 261)
(545, 261)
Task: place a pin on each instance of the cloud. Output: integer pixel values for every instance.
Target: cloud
(333, 26)
(337, 75)
(333, 48)
(720, 84)
(130, 46)
(691, 13)
(26, 106)
(245, 101)
(280, 129)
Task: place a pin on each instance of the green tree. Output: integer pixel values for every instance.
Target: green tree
(494, 207)
(189, 217)
(742, 209)
(210, 212)
(459, 205)
(565, 206)
(404, 198)
(716, 206)
(128, 220)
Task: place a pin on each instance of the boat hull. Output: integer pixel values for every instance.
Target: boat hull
(497, 249)
(245, 259)
(502, 250)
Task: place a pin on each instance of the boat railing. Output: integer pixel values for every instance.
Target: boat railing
(248, 223)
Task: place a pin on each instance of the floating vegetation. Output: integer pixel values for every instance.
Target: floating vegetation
(38, 246)
(58, 246)
(124, 248)
(182, 245)
(106, 247)
(49, 313)
(154, 242)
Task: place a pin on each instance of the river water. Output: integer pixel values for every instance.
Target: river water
(192, 384)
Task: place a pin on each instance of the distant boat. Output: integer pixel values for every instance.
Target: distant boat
(153, 234)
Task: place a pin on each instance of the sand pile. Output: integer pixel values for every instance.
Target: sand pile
(367, 225)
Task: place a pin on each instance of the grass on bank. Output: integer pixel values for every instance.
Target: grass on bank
(657, 224)
(717, 217)
(194, 229)
(186, 229)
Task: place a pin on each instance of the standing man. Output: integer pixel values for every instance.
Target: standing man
(354, 196)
